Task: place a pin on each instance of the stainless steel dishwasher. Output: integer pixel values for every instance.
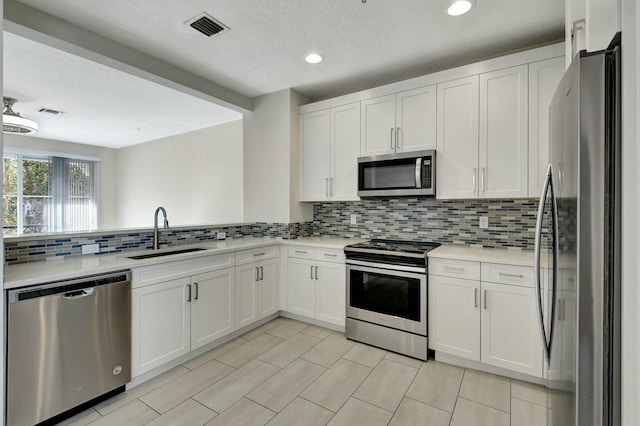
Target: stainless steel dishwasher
(69, 342)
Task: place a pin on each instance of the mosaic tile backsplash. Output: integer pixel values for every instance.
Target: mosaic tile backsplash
(511, 222)
(511, 225)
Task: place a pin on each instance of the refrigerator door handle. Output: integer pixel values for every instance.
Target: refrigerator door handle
(536, 259)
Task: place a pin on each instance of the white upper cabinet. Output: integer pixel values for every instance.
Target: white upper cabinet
(329, 150)
(503, 133)
(315, 133)
(457, 139)
(400, 122)
(544, 77)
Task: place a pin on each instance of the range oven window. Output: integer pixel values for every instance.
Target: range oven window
(385, 294)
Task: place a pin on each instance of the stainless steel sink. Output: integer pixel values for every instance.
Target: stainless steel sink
(165, 253)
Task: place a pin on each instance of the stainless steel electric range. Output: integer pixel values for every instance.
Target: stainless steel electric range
(387, 295)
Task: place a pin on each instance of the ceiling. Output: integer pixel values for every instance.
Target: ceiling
(364, 44)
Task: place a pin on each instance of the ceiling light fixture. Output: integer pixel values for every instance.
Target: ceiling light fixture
(313, 58)
(12, 122)
(460, 7)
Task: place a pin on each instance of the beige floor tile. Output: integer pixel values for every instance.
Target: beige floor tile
(329, 350)
(336, 385)
(411, 362)
(133, 414)
(386, 385)
(356, 412)
(524, 413)
(411, 412)
(486, 389)
(529, 392)
(173, 393)
(213, 353)
(243, 413)
(469, 413)
(261, 329)
(81, 419)
(287, 328)
(188, 413)
(437, 384)
(241, 355)
(236, 385)
(122, 399)
(277, 392)
(365, 355)
(287, 351)
(315, 331)
(302, 412)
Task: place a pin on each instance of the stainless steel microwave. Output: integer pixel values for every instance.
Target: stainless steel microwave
(404, 174)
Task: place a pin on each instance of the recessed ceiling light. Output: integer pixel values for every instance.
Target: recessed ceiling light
(313, 58)
(459, 7)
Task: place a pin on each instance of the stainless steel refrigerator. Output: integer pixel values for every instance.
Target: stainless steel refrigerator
(578, 244)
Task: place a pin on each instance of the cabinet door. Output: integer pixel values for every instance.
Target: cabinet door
(457, 139)
(416, 119)
(161, 324)
(377, 133)
(503, 135)
(212, 306)
(315, 140)
(510, 331)
(345, 150)
(246, 278)
(544, 77)
(454, 316)
(301, 287)
(267, 288)
(331, 288)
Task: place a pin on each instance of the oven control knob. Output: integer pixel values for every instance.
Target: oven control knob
(117, 370)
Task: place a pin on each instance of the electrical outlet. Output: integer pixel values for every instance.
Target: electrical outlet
(90, 248)
(484, 222)
(354, 219)
(221, 235)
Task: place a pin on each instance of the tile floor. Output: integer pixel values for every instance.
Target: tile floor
(287, 372)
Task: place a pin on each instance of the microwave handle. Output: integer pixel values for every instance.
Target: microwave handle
(418, 170)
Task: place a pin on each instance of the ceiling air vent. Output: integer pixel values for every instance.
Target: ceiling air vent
(206, 24)
(50, 111)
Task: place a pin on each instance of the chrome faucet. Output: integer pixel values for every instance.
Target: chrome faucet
(156, 242)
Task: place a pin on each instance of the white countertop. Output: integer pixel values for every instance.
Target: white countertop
(503, 256)
(26, 274)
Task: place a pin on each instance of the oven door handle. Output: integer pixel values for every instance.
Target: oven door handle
(362, 265)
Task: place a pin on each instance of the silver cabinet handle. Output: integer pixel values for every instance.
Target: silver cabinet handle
(475, 297)
(457, 270)
(397, 137)
(262, 273)
(188, 292)
(316, 272)
(312, 272)
(418, 170)
(473, 179)
(391, 137)
(326, 186)
(259, 254)
(329, 255)
(485, 299)
(330, 186)
(257, 274)
(504, 274)
(195, 285)
(482, 187)
(301, 251)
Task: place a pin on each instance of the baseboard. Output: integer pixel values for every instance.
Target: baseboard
(467, 363)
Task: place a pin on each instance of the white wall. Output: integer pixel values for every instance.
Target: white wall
(197, 177)
(108, 169)
(270, 161)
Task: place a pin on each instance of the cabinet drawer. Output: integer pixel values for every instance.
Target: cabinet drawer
(507, 274)
(148, 275)
(330, 255)
(455, 268)
(256, 254)
(302, 252)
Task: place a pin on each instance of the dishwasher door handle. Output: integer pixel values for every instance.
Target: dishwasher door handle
(77, 294)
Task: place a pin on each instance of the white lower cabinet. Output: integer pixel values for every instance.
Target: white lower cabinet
(317, 284)
(494, 323)
(257, 284)
(173, 317)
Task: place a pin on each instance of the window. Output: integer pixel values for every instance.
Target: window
(48, 194)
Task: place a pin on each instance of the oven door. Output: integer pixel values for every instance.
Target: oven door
(388, 296)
